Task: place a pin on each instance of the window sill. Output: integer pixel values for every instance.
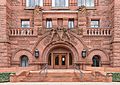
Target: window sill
(88, 8)
(60, 8)
(29, 8)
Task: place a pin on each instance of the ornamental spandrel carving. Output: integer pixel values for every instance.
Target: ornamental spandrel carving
(80, 31)
(60, 34)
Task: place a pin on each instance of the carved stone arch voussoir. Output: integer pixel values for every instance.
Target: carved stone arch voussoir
(103, 55)
(17, 55)
(59, 44)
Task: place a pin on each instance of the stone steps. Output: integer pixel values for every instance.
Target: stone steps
(61, 75)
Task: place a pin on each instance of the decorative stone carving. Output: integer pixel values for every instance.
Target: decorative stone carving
(80, 31)
(83, 10)
(40, 31)
(61, 33)
(38, 10)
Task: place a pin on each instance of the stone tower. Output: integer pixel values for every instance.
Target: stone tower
(5, 16)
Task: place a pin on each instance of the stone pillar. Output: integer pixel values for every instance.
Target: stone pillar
(5, 22)
(82, 20)
(38, 20)
(115, 60)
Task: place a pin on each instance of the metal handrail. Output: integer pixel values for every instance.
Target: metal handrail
(76, 67)
(44, 70)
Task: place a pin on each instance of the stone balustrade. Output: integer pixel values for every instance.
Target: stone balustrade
(99, 31)
(22, 32)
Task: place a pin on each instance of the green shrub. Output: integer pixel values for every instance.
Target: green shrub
(116, 77)
(5, 77)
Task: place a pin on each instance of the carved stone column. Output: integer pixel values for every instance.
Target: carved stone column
(38, 20)
(82, 20)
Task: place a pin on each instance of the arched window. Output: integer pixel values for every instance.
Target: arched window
(96, 61)
(24, 61)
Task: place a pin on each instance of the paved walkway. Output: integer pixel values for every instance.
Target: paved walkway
(62, 83)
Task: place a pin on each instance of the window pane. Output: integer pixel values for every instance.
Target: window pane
(92, 3)
(79, 2)
(71, 23)
(38, 2)
(59, 3)
(49, 23)
(88, 3)
(25, 23)
(53, 3)
(33, 3)
(24, 61)
(95, 23)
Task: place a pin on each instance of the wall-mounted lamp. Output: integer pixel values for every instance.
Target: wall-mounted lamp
(36, 53)
(84, 53)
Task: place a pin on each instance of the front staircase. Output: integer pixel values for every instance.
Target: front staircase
(60, 75)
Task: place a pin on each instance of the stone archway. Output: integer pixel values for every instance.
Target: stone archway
(60, 55)
(104, 58)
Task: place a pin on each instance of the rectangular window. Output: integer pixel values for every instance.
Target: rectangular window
(33, 3)
(71, 23)
(59, 3)
(95, 23)
(49, 23)
(25, 23)
(87, 3)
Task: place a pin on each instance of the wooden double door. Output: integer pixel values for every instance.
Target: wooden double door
(60, 60)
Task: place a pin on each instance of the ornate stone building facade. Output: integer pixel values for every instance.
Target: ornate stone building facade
(59, 33)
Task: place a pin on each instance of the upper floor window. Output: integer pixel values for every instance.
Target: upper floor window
(49, 23)
(87, 3)
(95, 23)
(71, 23)
(33, 3)
(25, 23)
(59, 3)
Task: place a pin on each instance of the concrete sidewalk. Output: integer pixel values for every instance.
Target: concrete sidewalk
(62, 83)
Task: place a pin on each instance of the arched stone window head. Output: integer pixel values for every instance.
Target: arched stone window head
(24, 61)
(36, 53)
(84, 53)
(96, 61)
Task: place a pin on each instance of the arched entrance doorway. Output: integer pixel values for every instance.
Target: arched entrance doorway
(60, 58)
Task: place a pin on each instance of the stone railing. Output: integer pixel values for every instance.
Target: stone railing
(99, 31)
(22, 32)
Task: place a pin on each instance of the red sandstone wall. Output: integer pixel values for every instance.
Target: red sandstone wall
(101, 11)
(5, 19)
(116, 35)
